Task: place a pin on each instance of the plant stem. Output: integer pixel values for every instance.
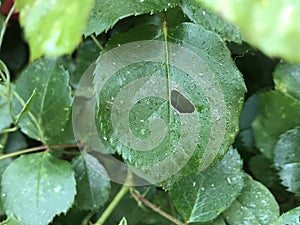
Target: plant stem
(167, 66)
(87, 219)
(36, 149)
(4, 25)
(155, 208)
(8, 130)
(125, 188)
(97, 42)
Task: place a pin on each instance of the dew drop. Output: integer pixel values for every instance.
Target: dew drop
(57, 189)
(229, 180)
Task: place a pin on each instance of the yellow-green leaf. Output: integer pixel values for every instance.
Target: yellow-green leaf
(53, 28)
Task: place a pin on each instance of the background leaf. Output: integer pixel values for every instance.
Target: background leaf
(289, 218)
(136, 213)
(255, 205)
(277, 113)
(211, 21)
(87, 53)
(53, 29)
(5, 118)
(107, 13)
(263, 170)
(287, 79)
(287, 159)
(49, 111)
(279, 32)
(93, 185)
(203, 196)
(37, 187)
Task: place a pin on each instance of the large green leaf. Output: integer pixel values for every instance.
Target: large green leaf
(37, 187)
(5, 118)
(287, 159)
(107, 13)
(256, 205)
(191, 112)
(277, 113)
(287, 79)
(272, 26)
(48, 113)
(202, 197)
(289, 218)
(53, 28)
(211, 21)
(93, 186)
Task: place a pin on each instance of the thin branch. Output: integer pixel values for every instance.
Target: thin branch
(97, 42)
(36, 149)
(4, 25)
(155, 208)
(125, 188)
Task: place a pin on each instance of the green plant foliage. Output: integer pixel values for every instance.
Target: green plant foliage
(211, 21)
(202, 197)
(272, 26)
(277, 113)
(87, 53)
(93, 186)
(287, 159)
(107, 13)
(287, 79)
(263, 170)
(48, 113)
(255, 205)
(289, 218)
(135, 212)
(50, 29)
(43, 185)
(5, 119)
(98, 91)
(215, 55)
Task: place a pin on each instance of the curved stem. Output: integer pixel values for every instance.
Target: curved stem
(113, 204)
(4, 26)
